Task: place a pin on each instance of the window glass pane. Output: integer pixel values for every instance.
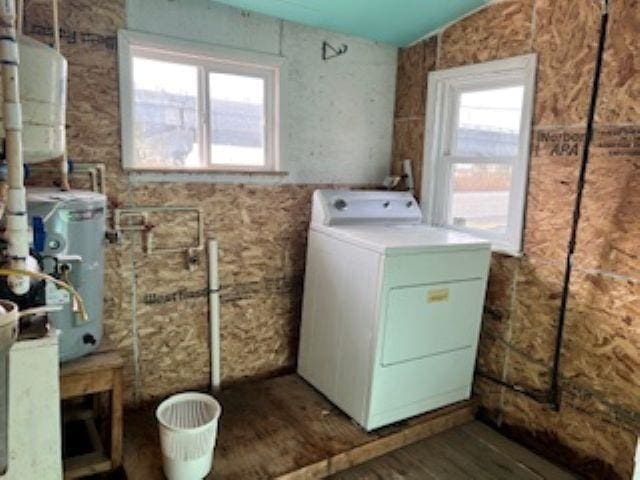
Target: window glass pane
(165, 112)
(237, 123)
(480, 196)
(489, 122)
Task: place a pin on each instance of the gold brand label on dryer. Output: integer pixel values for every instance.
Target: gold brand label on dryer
(438, 295)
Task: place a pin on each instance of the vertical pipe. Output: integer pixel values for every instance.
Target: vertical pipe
(56, 26)
(64, 164)
(16, 216)
(214, 314)
(64, 171)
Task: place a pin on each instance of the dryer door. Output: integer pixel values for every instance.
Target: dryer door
(431, 319)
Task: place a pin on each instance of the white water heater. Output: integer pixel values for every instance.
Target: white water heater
(43, 94)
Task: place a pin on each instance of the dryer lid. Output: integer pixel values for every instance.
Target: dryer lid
(402, 239)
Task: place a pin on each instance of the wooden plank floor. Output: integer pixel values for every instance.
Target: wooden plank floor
(471, 451)
(282, 428)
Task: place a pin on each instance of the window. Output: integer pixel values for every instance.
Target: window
(477, 149)
(193, 107)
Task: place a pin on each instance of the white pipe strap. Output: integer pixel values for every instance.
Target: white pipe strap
(12, 116)
(17, 200)
(20, 248)
(9, 50)
(17, 223)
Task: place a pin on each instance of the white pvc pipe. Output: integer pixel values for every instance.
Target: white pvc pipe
(17, 232)
(64, 163)
(56, 26)
(214, 313)
(407, 170)
(20, 15)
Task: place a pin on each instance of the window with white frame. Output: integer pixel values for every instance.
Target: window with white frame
(190, 107)
(477, 149)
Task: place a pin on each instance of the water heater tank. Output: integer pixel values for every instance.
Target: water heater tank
(68, 238)
(43, 94)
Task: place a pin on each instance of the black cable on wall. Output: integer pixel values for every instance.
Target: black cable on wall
(588, 139)
(553, 396)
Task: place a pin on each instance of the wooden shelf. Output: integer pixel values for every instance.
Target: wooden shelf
(98, 374)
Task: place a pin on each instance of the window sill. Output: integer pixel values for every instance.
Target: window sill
(506, 251)
(207, 176)
(213, 171)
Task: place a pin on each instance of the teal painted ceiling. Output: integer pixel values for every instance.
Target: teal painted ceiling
(397, 22)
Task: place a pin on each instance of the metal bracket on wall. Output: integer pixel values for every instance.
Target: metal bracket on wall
(136, 219)
(329, 51)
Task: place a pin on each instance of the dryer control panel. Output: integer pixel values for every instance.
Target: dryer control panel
(351, 207)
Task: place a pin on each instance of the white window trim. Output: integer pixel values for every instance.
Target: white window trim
(209, 58)
(435, 182)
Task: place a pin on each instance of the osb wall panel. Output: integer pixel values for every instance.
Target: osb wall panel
(501, 31)
(492, 354)
(566, 52)
(610, 224)
(256, 243)
(597, 405)
(528, 374)
(598, 449)
(602, 348)
(534, 322)
(156, 311)
(261, 267)
(249, 349)
(518, 327)
(118, 309)
(88, 41)
(408, 143)
(553, 175)
(618, 101)
(490, 396)
(595, 429)
(414, 65)
(500, 294)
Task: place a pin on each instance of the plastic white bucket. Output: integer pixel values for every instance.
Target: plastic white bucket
(188, 425)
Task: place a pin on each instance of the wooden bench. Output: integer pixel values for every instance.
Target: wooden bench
(98, 374)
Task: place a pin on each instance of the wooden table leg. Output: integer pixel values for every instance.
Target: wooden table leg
(116, 419)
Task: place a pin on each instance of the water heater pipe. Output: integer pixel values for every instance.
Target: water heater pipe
(214, 314)
(64, 160)
(8, 272)
(95, 171)
(17, 231)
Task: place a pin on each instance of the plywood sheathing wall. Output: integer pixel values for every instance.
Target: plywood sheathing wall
(599, 419)
(156, 312)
